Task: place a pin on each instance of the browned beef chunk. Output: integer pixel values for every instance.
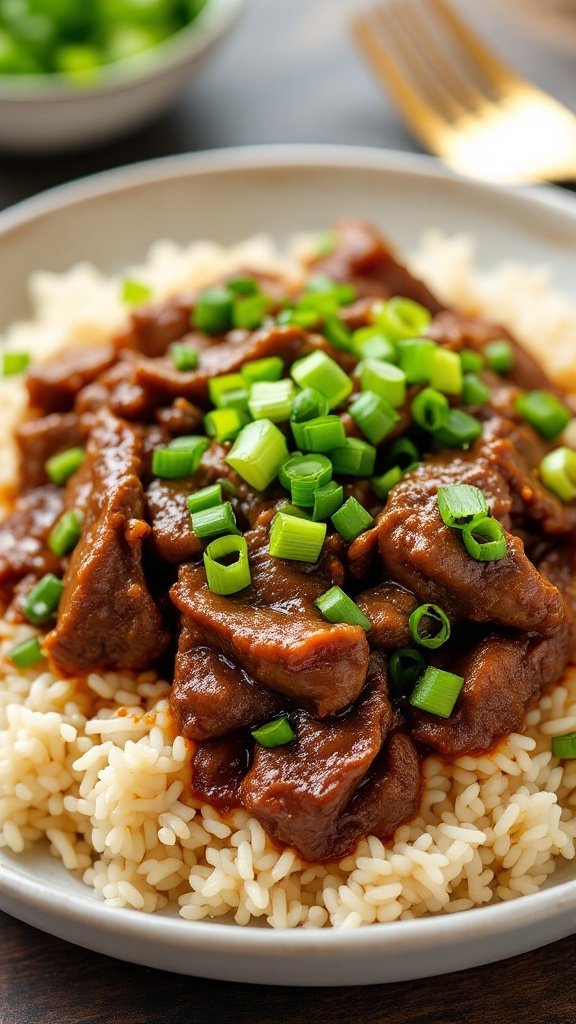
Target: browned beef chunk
(211, 695)
(107, 618)
(218, 768)
(388, 607)
(362, 257)
(39, 439)
(501, 676)
(168, 514)
(155, 327)
(389, 796)
(24, 535)
(117, 390)
(180, 418)
(299, 790)
(273, 630)
(428, 558)
(53, 386)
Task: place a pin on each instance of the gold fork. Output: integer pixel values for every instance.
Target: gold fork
(464, 103)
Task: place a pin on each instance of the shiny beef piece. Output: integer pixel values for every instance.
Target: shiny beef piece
(39, 439)
(107, 618)
(218, 768)
(428, 558)
(172, 535)
(388, 607)
(155, 327)
(180, 418)
(273, 630)
(52, 387)
(24, 535)
(117, 390)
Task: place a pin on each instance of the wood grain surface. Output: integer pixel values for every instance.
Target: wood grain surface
(46, 981)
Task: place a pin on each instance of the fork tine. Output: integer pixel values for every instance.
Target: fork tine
(475, 53)
(422, 117)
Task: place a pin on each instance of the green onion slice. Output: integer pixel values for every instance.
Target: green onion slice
(373, 415)
(14, 362)
(250, 312)
(269, 368)
(303, 474)
(319, 371)
(430, 409)
(446, 371)
(459, 431)
(355, 458)
(499, 355)
(181, 458)
(225, 579)
(474, 390)
(206, 497)
(336, 606)
(224, 424)
(403, 318)
(41, 602)
(271, 400)
(243, 285)
(214, 311)
(429, 626)
(275, 733)
(26, 653)
(564, 747)
(415, 359)
(406, 665)
(472, 362)
(437, 692)
(184, 356)
(309, 404)
(135, 292)
(327, 499)
(459, 504)
(544, 412)
(382, 485)
(402, 452)
(258, 452)
(558, 473)
(371, 343)
(66, 533)
(385, 379)
(295, 538)
(60, 467)
(214, 521)
(321, 434)
(485, 540)
(351, 519)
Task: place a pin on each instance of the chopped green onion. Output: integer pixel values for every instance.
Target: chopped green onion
(338, 334)
(135, 292)
(227, 579)
(214, 311)
(303, 474)
(250, 312)
(430, 409)
(327, 499)
(564, 747)
(485, 540)
(558, 473)
(382, 485)
(27, 653)
(544, 412)
(14, 362)
(243, 286)
(402, 452)
(474, 390)
(415, 357)
(403, 318)
(437, 692)
(42, 601)
(472, 362)
(324, 244)
(385, 379)
(206, 497)
(298, 539)
(321, 434)
(61, 467)
(459, 431)
(499, 355)
(446, 371)
(342, 293)
(66, 533)
(275, 733)
(181, 458)
(293, 510)
(184, 356)
(355, 458)
(373, 415)
(406, 665)
(321, 372)
(370, 343)
(351, 519)
(258, 452)
(224, 424)
(305, 318)
(270, 368)
(271, 400)
(229, 391)
(429, 626)
(309, 404)
(459, 504)
(214, 521)
(336, 606)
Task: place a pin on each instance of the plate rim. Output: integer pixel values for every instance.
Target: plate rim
(410, 935)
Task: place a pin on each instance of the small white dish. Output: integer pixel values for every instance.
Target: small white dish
(226, 196)
(41, 114)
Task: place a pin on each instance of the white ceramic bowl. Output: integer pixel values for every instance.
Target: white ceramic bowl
(111, 219)
(46, 113)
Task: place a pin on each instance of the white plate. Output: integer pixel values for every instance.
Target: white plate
(111, 219)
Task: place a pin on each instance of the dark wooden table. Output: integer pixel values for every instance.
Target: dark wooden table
(288, 74)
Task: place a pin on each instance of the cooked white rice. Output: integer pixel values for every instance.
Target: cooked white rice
(97, 769)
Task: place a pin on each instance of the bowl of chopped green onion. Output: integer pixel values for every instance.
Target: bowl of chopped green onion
(76, 73)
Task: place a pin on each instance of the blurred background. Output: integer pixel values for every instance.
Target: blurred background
(286, 71)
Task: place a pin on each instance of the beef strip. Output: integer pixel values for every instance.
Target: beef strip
(180, 418)
(502, 675)
(39, 439)
(107, 618)
(212, 695)
(118, 390)
(53, 386)
(299, 790)
(273, 630)
(24, 535)
(428, 558)
(172, 535)
(155, 327)
(388, 607)
(362, 257)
